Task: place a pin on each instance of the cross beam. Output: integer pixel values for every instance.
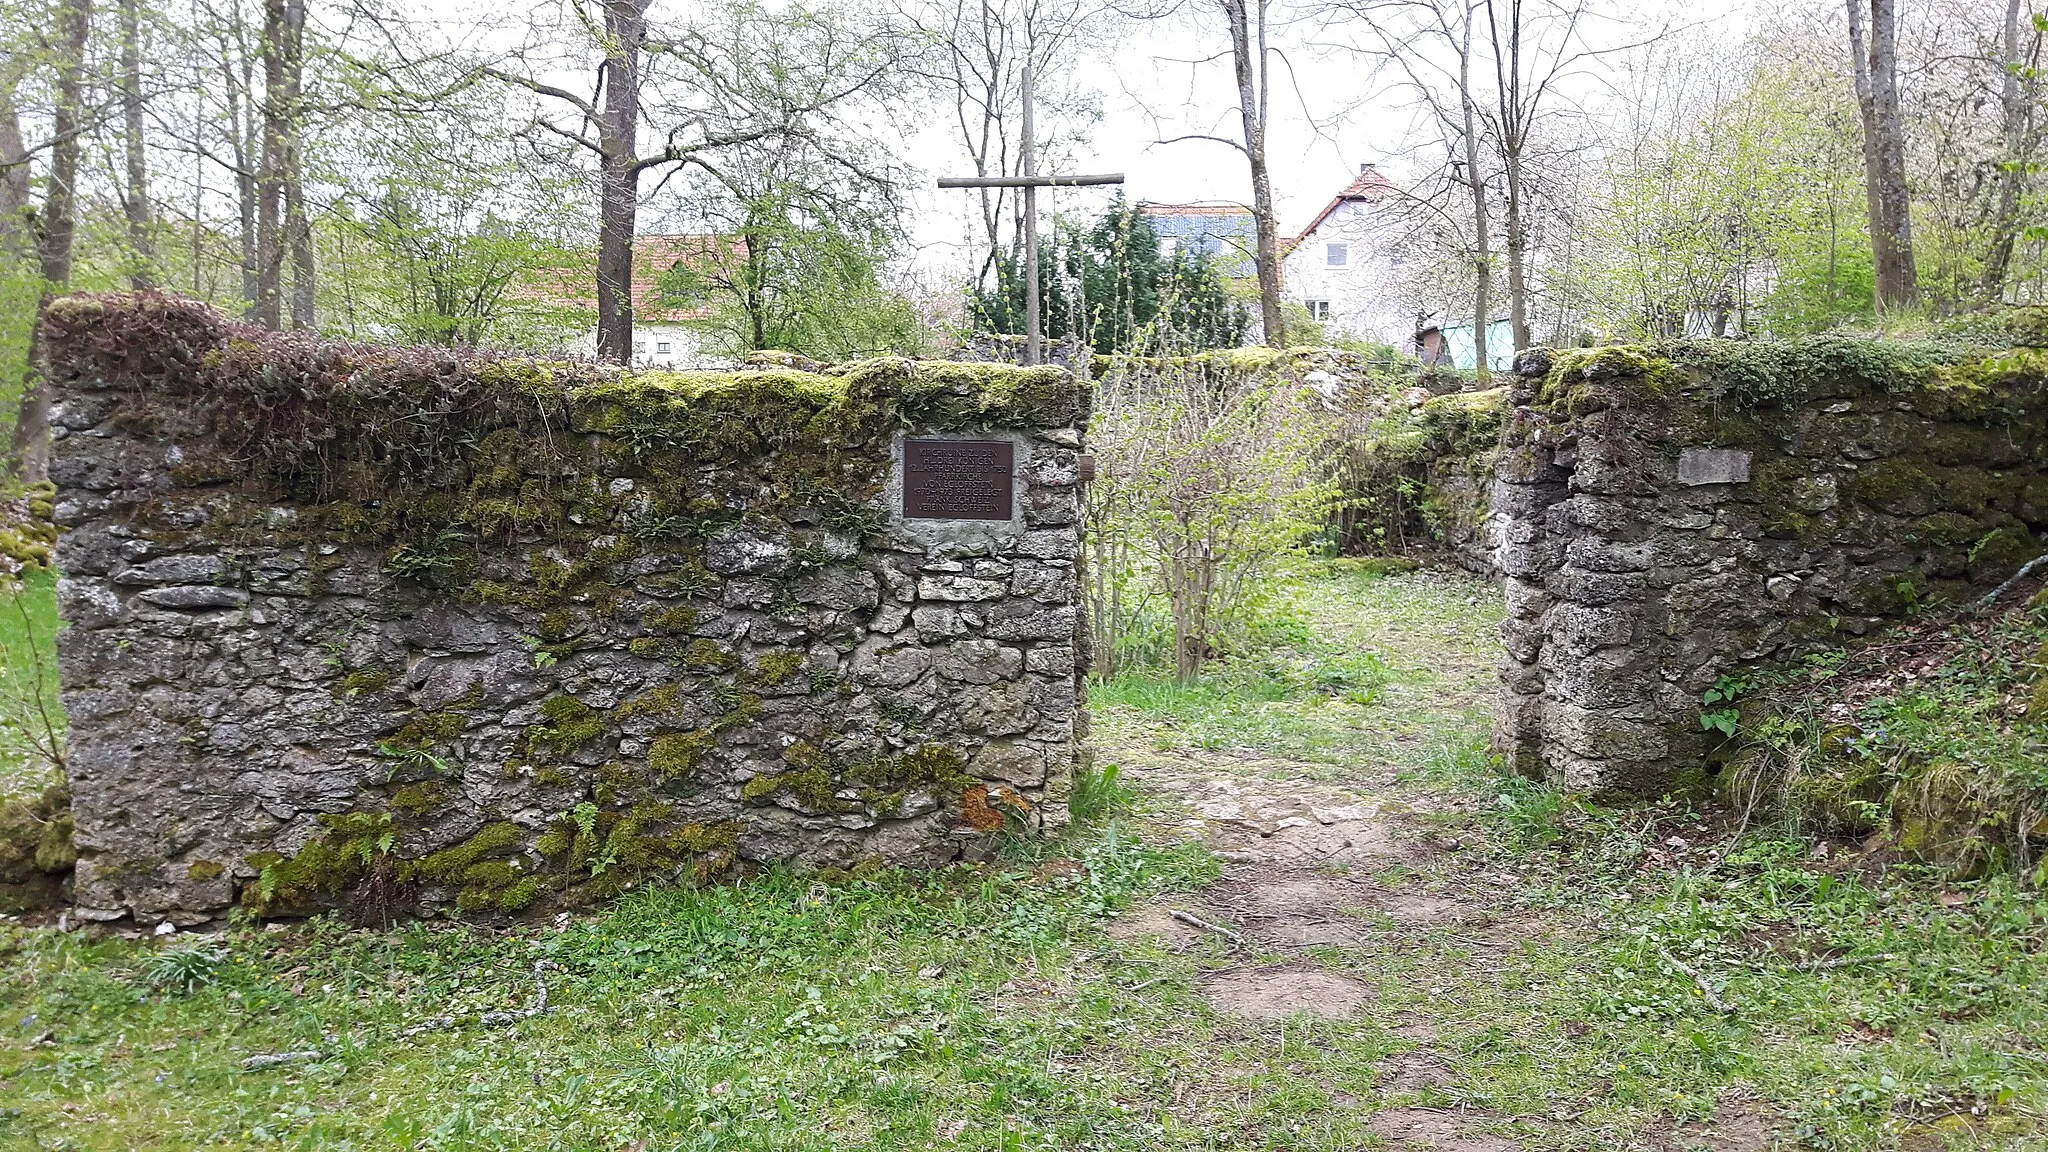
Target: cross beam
(1029, 181)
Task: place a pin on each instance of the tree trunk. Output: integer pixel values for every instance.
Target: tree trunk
(1517, 252)
(1515, 119)
(15, 191)
(618, 195)
(2013, 108)
(1884, 152)
(31, 444)
(297, 226)
(241, 82)
(1482, 241)
(1251, 103)
(135, 199)
(270, 172)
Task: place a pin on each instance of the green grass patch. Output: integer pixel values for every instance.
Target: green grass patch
(892, 1010)
(31, 712)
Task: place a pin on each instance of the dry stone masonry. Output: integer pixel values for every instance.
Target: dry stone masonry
(1675, 519)
(387, 627)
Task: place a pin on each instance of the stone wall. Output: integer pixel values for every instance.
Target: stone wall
(1673, 516)
(395, 627)
(1418, 472)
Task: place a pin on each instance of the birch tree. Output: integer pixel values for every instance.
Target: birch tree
(1874, 66)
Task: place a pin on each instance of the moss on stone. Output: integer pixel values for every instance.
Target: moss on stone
(333, 861)
(703, 655)
(676, 618)
(484, 868)
(35, 849)
(662, 700)
(428, 730)
(569, 725)
(364, 680)
(675, 754)
(773, 668)
(420, 798)
(204, 870)
(1896, 486)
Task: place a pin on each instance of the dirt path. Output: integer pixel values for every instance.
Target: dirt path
(1345, 883)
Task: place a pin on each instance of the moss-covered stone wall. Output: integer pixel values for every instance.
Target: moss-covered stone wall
(399, 627)
(1418, 472)
(1675, 517)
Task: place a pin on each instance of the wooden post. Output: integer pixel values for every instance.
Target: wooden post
(1034, 327)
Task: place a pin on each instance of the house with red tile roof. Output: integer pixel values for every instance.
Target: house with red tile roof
(665, 334)
(1348, 267)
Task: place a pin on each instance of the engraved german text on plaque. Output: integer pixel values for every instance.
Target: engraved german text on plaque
(957, 479)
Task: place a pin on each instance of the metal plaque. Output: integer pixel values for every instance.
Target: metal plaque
(957, 479)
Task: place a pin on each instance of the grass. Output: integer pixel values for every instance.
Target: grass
(29, 703)
(787, 1012)
(1632, 971)
(1388, 667)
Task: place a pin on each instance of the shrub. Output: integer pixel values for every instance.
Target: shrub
(1210, 480)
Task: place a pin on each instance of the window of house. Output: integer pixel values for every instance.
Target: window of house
(639, 347)
(1318, 310)
(661, 347)
(1337, 255)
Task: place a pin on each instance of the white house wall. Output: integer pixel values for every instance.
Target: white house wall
(659, 346)
(1368, 294)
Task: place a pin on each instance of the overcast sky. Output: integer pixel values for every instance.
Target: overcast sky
(1328, 116)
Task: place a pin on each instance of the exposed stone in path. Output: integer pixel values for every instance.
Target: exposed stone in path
(1278, 993)
(1436, 1129)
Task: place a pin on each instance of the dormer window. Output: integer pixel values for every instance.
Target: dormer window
(1337, 255)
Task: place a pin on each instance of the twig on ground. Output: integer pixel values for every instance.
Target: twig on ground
(1190, 918)
(492, 1019)
(1848, 961)
(2024, 572)
(430, 1024)
(273, 1059)
(1707, 992)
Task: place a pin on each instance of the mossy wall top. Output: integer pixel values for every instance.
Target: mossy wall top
(1680, 515)
(376, 624)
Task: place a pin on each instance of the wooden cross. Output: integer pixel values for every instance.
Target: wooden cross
(1030, 181)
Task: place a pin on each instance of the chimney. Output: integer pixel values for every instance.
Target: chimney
(1365, 168)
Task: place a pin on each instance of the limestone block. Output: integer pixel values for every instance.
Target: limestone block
(977, 662)
(187, 568)
(1028, 620)
(195, 596)
(1583, 629)
(999, 709)
(936, 623)
(1050, 660)
(1602, 735)
(1697, 466)
(1010, 761)
(737, 550)
(961, 588)
(1050, 545)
